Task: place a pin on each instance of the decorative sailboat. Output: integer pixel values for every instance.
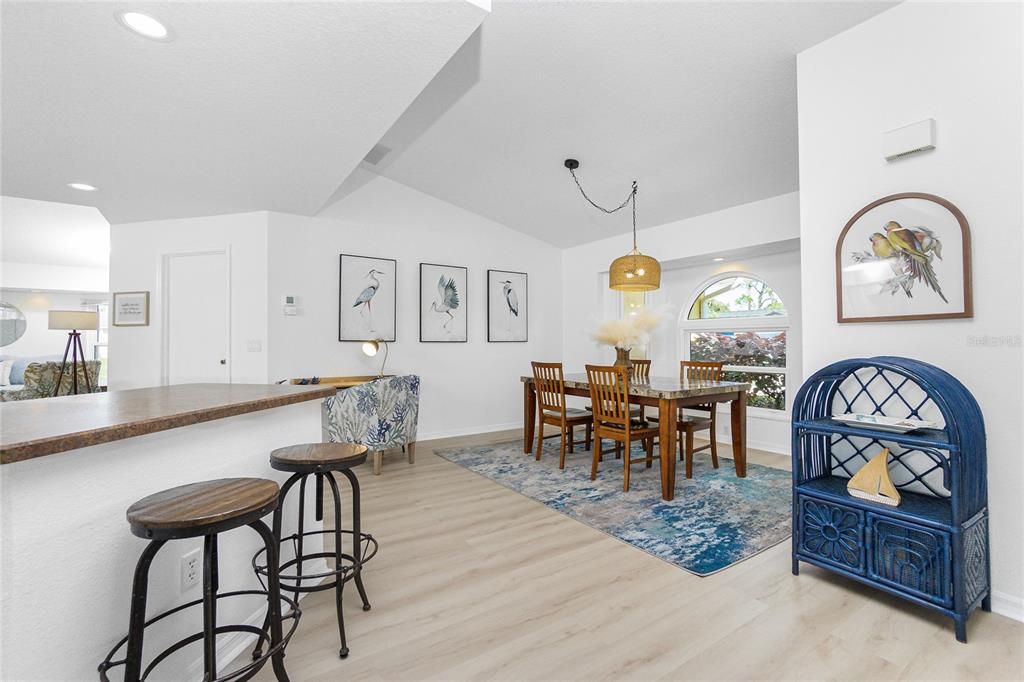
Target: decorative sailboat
(872, 482)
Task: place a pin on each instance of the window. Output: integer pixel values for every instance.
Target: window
(99, 349)
(632, 303)
(740, 321)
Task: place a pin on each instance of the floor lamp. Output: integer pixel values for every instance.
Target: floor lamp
(73, 320)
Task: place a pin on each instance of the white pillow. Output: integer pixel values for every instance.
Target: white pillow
(5, 372)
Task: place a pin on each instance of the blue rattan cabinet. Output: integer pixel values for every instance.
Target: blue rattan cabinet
(933, 548)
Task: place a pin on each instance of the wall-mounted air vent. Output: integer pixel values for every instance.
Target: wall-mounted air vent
(910, 139)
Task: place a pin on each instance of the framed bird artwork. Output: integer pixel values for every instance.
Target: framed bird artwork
(367, 305)
(508, 306)
(904, 257)
(443, 306)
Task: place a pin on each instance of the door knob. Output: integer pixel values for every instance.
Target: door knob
(223, 362)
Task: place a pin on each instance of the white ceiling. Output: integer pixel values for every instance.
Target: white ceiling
(43, 232)
(253, 105)
(695, 100)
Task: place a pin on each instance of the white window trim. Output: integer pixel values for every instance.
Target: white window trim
(740, 324)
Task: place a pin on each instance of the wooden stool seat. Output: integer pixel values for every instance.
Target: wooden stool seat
(314, 457)
(202, 508)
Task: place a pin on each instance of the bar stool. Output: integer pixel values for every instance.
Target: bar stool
(321, 460)
(204, 509)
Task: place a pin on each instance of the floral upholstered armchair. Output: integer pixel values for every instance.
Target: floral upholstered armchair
(381, 414)
(41, 380)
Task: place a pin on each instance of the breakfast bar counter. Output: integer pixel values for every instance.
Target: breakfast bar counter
(71, 468)
(34, 428)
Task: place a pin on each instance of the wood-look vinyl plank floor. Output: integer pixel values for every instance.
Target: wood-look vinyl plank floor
(476, 582)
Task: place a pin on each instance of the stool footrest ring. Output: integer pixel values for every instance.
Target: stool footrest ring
(245, 672)
(368, 550)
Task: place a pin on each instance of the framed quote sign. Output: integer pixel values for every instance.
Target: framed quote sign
(131, 309)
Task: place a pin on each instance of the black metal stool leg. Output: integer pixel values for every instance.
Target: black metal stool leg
(300, 532)
(357, 539)
(273, 596)
(137, 618)
(210, 586)
(340, 580)
(277, 523)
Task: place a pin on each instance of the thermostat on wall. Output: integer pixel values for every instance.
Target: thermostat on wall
(291, 305)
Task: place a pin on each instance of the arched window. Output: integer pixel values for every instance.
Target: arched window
(740, 321)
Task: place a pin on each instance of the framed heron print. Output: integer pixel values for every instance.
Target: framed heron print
(508, 306)
(904, 257)
(443, 315)
(366, 298)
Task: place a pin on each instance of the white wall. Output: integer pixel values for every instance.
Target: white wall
(741, 229)
(51, 245)
(69, 554)
(38, 339)
(136, 257)
(961, 65)
(466, 387)
(53, 277)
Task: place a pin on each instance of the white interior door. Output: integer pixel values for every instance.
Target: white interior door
(197, 305)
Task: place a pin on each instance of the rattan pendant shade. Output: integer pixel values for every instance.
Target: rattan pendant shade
(634, 272)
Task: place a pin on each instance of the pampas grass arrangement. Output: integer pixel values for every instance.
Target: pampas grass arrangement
(632, 331)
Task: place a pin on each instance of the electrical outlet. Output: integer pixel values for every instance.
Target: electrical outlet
(190, 570)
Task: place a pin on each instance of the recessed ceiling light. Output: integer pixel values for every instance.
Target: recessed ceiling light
(81, 186)
(718, 260)
(144, 25)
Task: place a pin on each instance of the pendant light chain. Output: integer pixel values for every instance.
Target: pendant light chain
(631, 197)
(633, 271)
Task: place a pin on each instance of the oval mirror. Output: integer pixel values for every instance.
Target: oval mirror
(12, 324)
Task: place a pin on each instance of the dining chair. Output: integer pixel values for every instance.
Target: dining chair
(642, 375)
(693, 370)
(641, 371)
(609, 396)
(549, 383)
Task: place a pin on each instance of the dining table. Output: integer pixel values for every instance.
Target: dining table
(668, 395)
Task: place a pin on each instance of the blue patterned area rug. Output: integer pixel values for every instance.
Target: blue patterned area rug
(716, 519)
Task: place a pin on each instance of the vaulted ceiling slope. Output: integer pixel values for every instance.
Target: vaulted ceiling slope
(251, 106)
(43, 232)
(695, 100)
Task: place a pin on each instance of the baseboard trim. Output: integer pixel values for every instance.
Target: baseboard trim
(230, 648)
(469, 431)
(1008, 605)
(767, 446)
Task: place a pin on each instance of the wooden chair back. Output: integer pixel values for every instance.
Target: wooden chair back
(549, 383)
(695, 370)
(642, 371)
(609, 394)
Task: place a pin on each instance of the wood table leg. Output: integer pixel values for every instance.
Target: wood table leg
(667, 419)
(529, 415)
(739, 433)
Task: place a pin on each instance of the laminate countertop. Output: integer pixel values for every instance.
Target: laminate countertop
(46, 426)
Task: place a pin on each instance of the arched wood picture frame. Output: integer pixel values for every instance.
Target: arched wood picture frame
(904, 257)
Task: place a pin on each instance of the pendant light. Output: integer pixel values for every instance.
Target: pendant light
(634, 271)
